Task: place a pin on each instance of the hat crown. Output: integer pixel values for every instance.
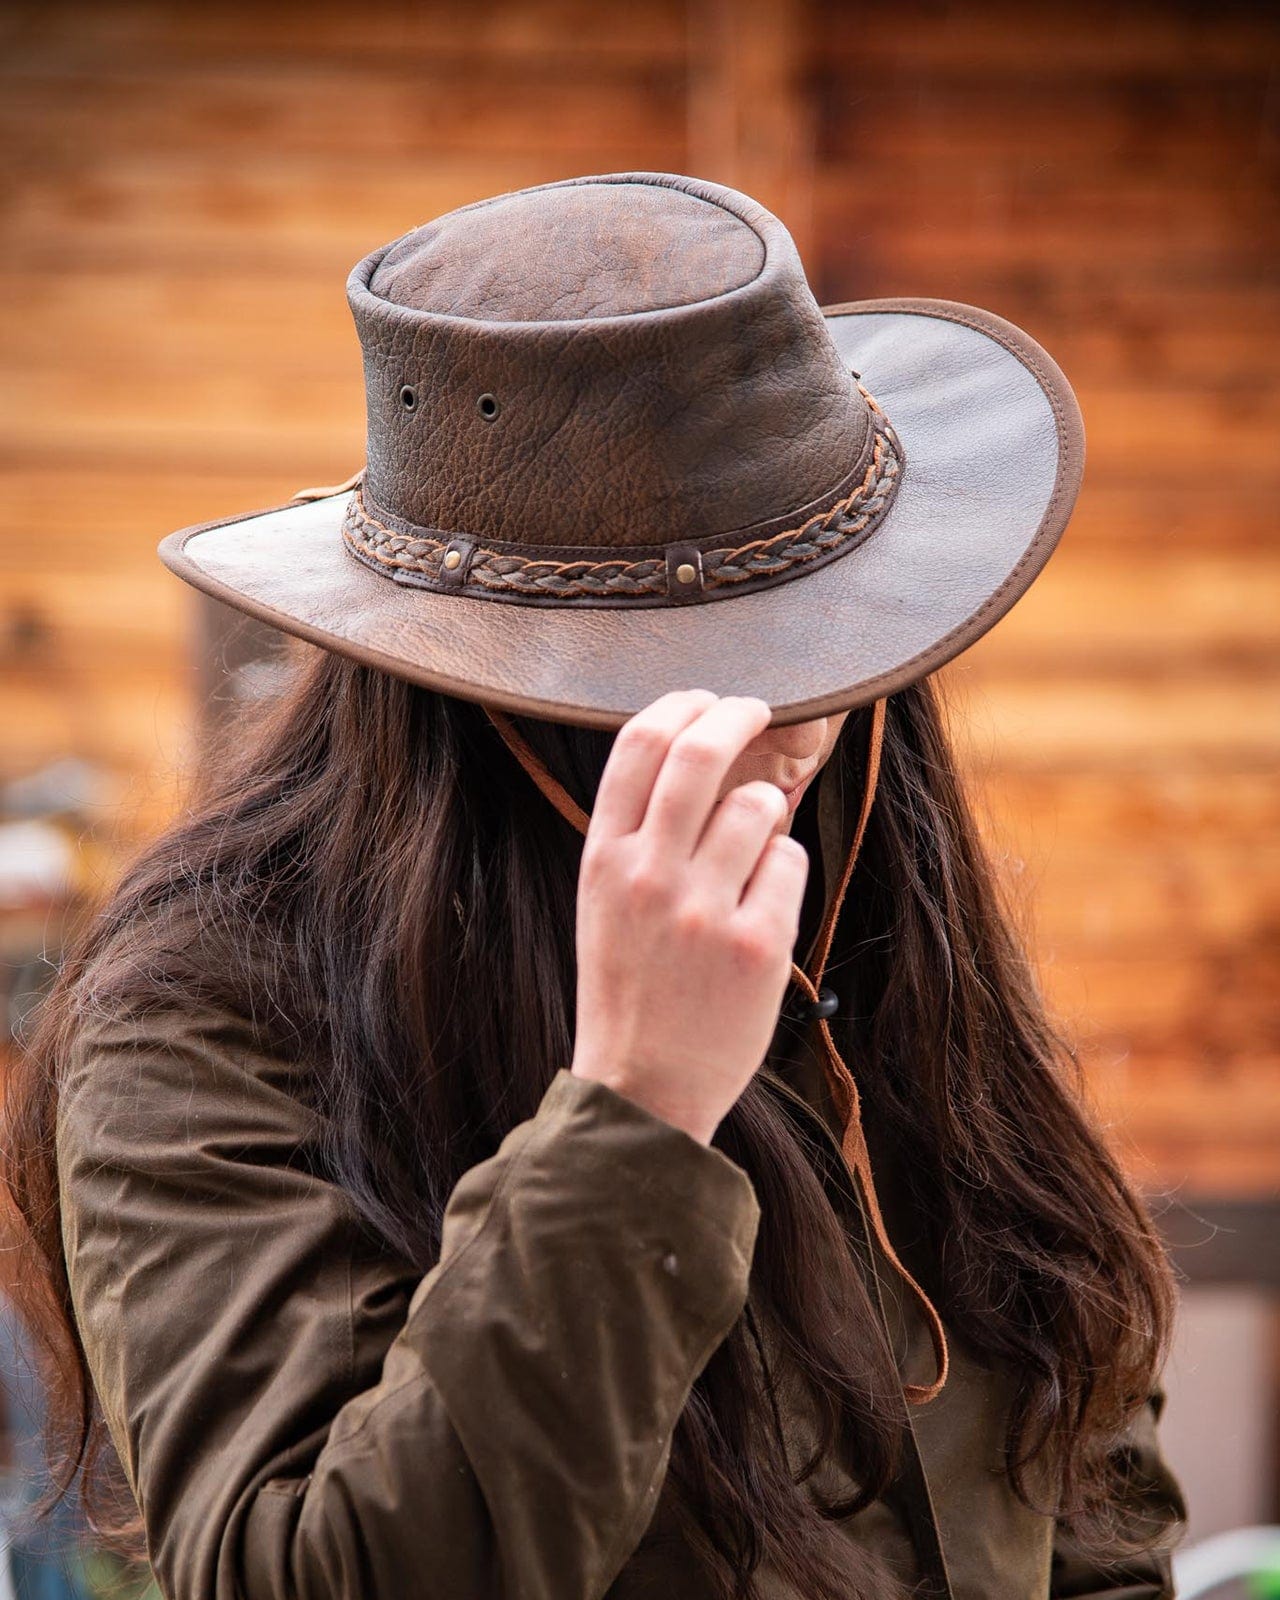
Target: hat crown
(609, 362)
(580, 251)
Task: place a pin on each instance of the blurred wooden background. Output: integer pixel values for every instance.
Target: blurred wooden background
(186, 187)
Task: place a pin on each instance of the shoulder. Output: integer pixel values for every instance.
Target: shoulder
(226, 1295)
(177, 1074)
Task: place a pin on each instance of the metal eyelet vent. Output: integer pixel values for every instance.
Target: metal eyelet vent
(487, 406)
(409, 397)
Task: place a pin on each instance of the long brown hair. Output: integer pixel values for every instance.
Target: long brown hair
(369, 854)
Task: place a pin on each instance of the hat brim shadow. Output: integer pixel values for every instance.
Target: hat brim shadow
(994, 450)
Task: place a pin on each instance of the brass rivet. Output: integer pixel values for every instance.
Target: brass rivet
(452, 559)
(686, 573)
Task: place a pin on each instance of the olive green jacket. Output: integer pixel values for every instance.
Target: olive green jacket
(300, 1415)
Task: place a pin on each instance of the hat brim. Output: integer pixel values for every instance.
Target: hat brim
(994, 450)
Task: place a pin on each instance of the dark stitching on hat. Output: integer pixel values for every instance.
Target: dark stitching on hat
(491, 572)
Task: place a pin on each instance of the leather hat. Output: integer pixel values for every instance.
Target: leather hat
(615, 447)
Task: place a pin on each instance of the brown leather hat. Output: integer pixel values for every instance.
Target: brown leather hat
(616, 448)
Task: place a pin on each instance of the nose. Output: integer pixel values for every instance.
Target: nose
(799, 743)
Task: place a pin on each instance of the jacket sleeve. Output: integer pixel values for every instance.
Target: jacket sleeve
(1152, 1510)
(300, 1414)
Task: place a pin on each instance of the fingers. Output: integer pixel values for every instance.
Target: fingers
(637, 755)
(691, 776)
(775, 891)
(732, 843)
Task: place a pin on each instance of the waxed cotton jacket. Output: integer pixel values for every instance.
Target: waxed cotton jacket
(302, 1415)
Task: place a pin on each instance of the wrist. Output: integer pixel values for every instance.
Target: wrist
(687, 1119)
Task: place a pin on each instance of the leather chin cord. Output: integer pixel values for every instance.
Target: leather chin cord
(845, 1089)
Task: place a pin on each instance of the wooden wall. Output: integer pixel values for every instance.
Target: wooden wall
(186, 187)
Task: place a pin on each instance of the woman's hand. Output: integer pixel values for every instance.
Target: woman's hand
(687, 912)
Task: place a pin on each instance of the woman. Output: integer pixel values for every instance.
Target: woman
(422, 1195)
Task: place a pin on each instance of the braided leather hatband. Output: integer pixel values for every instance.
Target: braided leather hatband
(657, 575)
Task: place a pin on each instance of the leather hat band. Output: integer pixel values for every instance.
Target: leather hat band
(668, 574)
